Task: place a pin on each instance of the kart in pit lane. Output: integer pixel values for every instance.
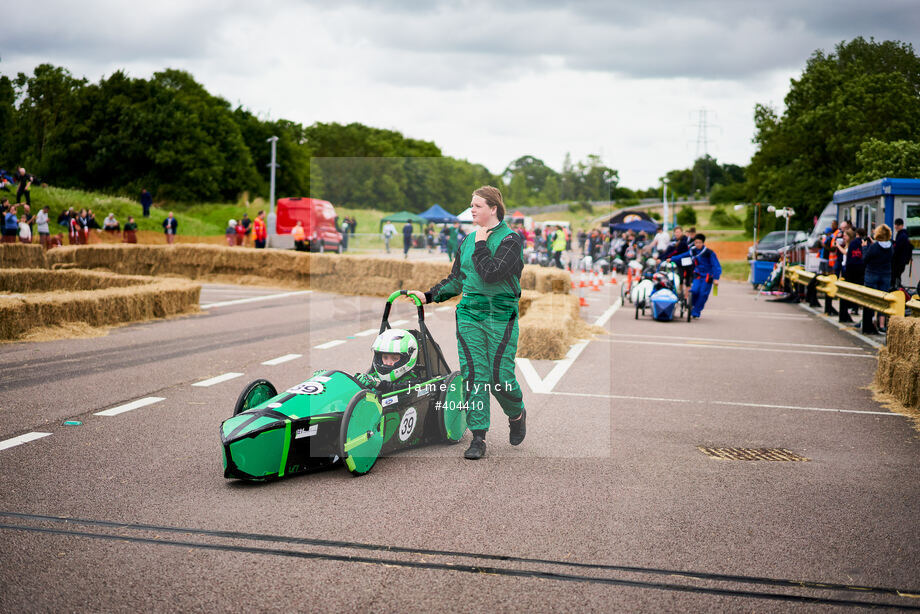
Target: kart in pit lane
(332, 419)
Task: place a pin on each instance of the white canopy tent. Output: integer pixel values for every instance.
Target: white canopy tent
(466, 216)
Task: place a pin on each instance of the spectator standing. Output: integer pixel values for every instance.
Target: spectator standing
(346, 225)
(300, 237)
(853, 269)
(352, 226)
(25, 186)
(73, 229)
(25, 231)
(903, 251)
(877, 259)
(170, 226)
(259, 230)
(41, 222)
(247, 228)
(83, 227)
(230, 232)
(388, 231)
(146, 201)
(239, 234)
(10, 222)
(129, 235)
(559, 246)
(453, 240)
(407, 238)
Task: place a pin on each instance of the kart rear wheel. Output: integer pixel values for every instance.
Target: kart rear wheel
(637, 310)
(361, 433)
(689, 308)
(451, 416)
(254, 394)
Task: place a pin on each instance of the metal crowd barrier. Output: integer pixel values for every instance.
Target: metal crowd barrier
(889, 303)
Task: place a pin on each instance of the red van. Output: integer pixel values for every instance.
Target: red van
(318, 218)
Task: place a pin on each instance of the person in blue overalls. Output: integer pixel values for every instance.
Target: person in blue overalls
(706, 272)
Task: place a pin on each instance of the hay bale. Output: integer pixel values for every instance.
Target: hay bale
(546, 280)
(22, 256)
(111, 299)
(898, 370)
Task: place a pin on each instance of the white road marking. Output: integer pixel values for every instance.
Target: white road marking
(217, 380)
(15, 441)
(842, 327)
(533, 379)
(329, 344)
(368, 332)
(545, 386)
(254, 299)
(281, 359)
(399, 322)
(734, 403)
(735, 347)
(445, 308)
(609, 313)
(129, 406)
(749, 341)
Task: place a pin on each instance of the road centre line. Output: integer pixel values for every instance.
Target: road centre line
(217, 379)
(329, 344)
(748, 341)
(254, 299)
(15, 441)
(735, 347)
(281, 359)
(733, 403)
(368, 332)
(129, 406)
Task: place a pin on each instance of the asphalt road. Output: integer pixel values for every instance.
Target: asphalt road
(609, 505)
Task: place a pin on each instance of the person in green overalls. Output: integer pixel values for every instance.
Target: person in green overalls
(487, 271)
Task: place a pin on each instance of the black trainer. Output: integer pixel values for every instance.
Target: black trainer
(518, 429)
(477, 448)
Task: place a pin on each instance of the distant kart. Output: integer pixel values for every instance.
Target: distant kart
(332, 419)
(662, 296)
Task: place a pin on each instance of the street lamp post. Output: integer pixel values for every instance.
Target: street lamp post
(271, 190)
(664, 200)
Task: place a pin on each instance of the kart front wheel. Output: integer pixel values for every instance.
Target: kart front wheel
(254, 394)
(689, 308)
(451, 416)
(361, 433)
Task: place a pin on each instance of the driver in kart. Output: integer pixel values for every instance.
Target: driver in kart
(395, 356)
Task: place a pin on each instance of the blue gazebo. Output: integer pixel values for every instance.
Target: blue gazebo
(437, 214)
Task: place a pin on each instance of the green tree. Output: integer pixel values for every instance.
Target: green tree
(864, 90)
(686, 216)
(877, 159)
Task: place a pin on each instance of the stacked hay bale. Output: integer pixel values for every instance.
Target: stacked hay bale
(55, 298)
(21, 256)
(898, 372)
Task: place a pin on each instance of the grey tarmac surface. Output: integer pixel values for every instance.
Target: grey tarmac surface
(607, 506)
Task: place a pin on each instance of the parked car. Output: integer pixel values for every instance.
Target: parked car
(318, 218)
(824, 222)
(773, 244)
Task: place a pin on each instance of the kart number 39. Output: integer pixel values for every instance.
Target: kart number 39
(307, 388)
(407, 424)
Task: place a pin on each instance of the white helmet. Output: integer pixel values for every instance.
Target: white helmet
(394, 341)
(232, 223)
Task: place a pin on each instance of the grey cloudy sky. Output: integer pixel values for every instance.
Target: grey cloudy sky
(486, 81)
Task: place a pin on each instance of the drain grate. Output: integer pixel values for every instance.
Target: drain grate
(747, 454)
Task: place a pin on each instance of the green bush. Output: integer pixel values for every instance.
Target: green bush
(581, 206)
(686, 216)
(723, 219)
(655, 215)
(730, 193)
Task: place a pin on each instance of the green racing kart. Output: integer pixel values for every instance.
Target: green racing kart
(332, 419)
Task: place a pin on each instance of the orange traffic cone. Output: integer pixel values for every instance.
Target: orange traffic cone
(595, 284)
(582, 302)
